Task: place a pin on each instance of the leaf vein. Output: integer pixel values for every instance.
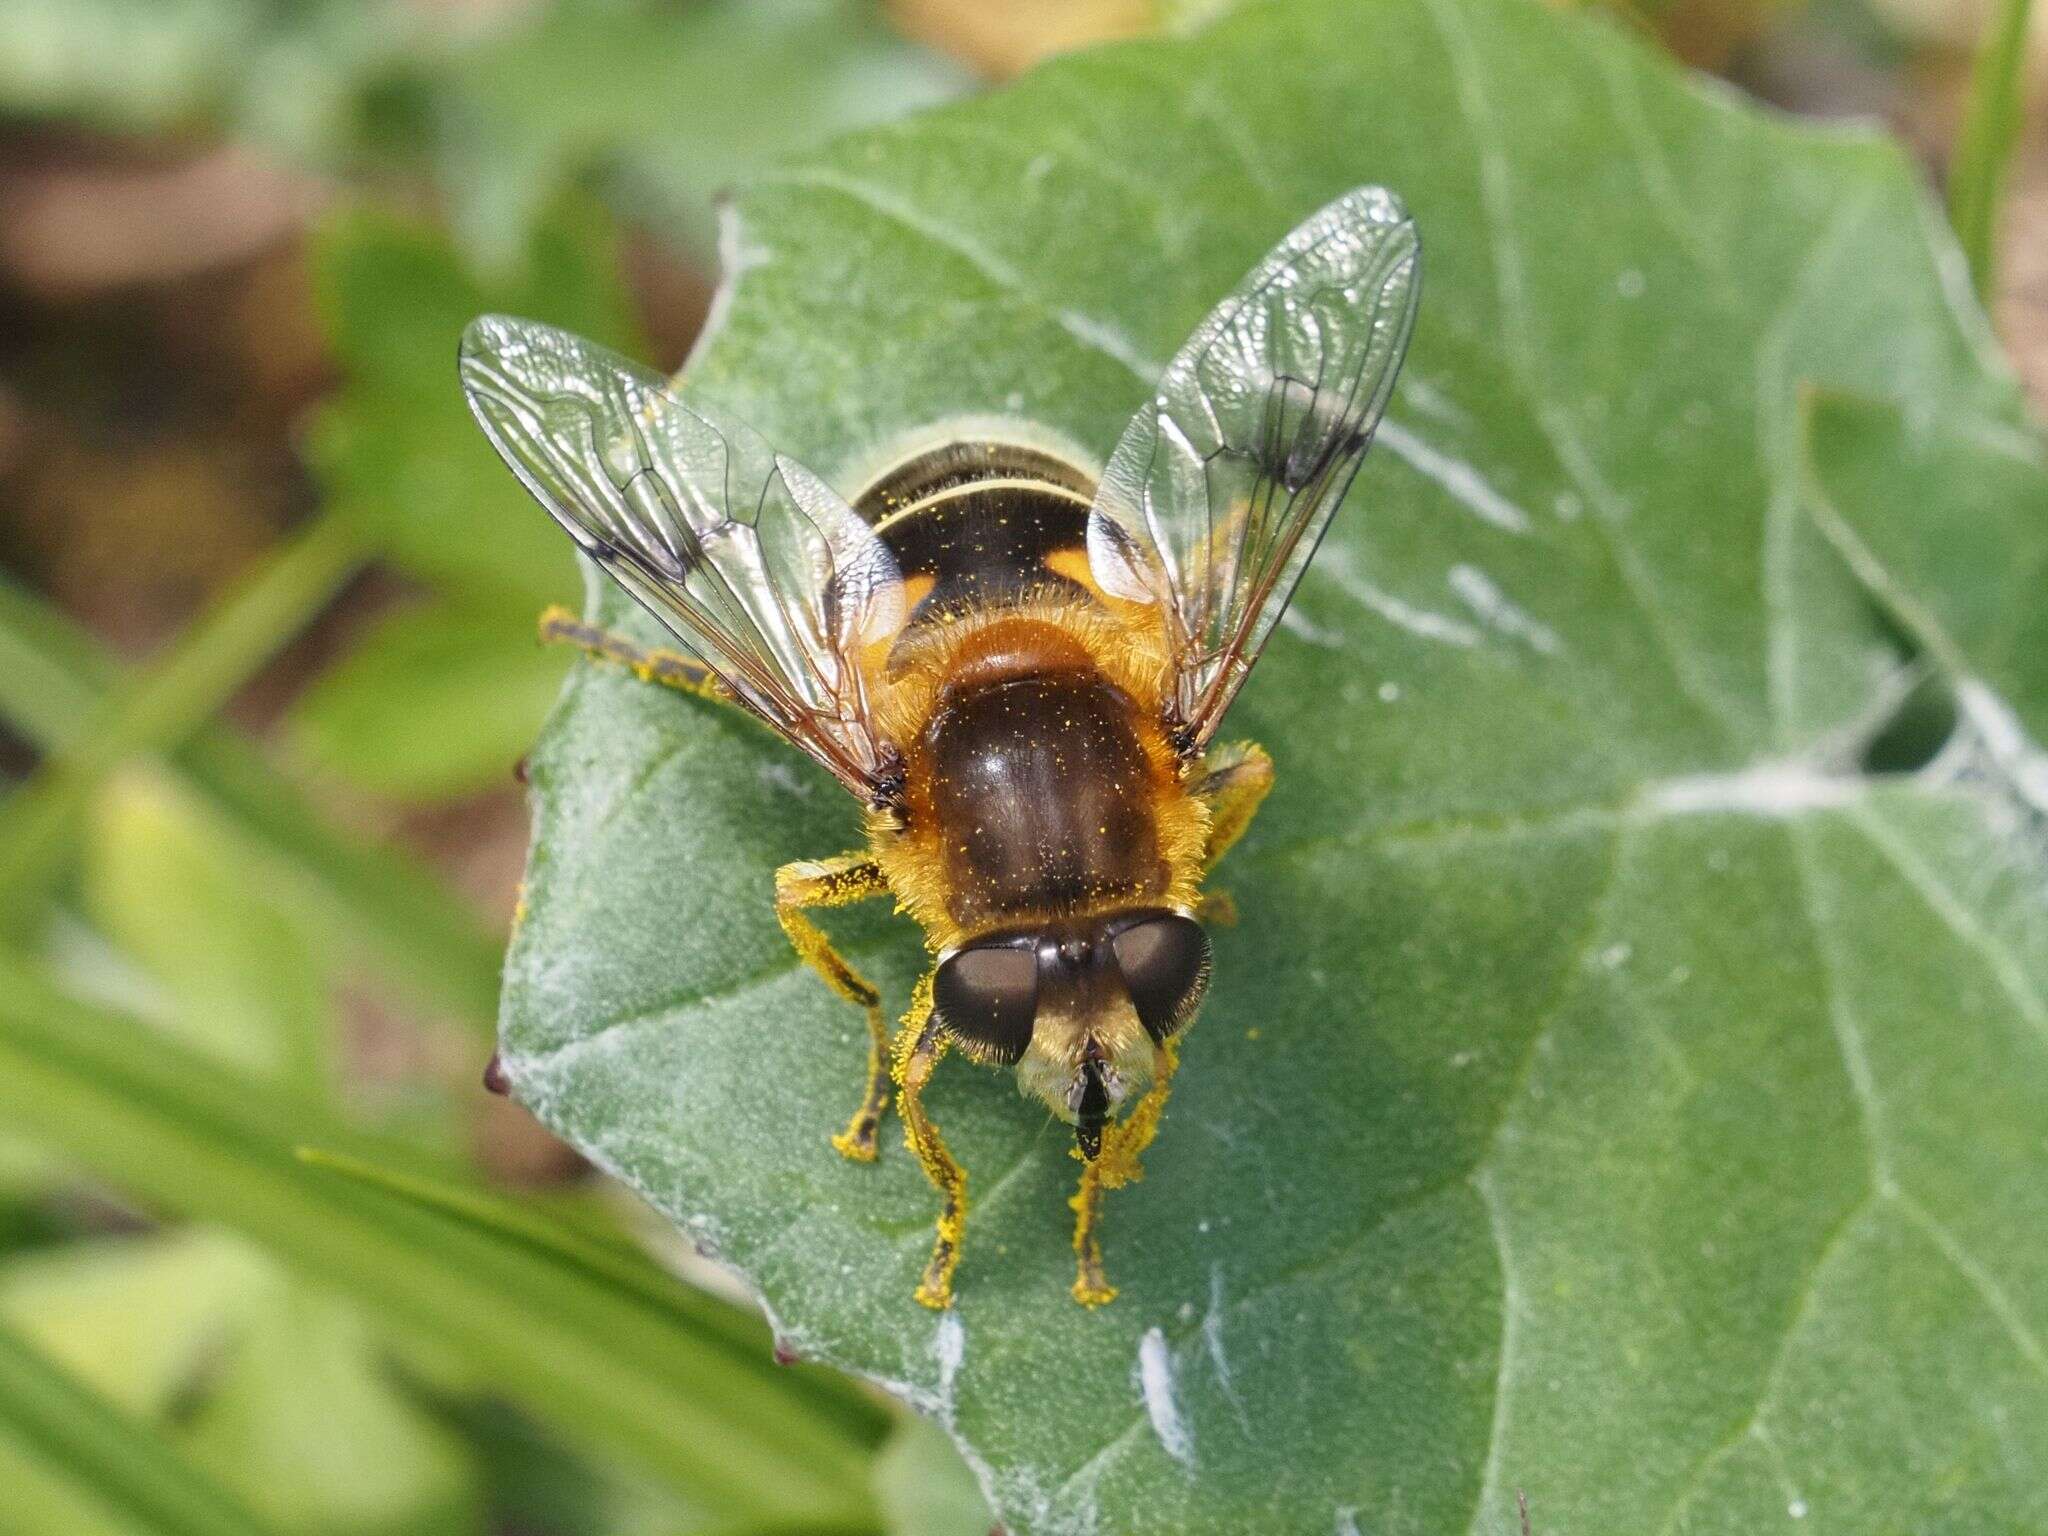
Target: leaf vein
(1748, 1425)
(1516, 328)
(1090, 331)
(1945, 905)
(1989, 1291)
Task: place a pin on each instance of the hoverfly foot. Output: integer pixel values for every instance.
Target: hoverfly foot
(858, 1143)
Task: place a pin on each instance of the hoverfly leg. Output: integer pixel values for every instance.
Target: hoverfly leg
(1115, 1166)
(840, 882)
(1233, 782)
(920, 1044)
(671, 669)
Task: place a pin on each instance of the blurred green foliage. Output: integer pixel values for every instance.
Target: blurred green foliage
(440, 697)
(248, 1283)
(243, 1287)
(1990, 128)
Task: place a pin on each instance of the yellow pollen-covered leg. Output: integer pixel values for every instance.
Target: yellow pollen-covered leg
(920, 1044)
(1234, 781)
(840, 882)
(671, 669)
(1115, 1166)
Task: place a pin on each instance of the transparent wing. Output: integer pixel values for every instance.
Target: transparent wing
(1223, 484)
(751, 560)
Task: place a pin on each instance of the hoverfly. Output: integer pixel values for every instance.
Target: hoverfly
(1018, 666)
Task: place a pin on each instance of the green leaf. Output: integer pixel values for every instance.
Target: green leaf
(170, 699)
(651, 1384)
(1946, 522)
(599, 1255)
(371, 898)
(924, 1488)
(306, 1424)
(433, 703)
(162, 881)
(395, 446)
(324, 82)
(1610, 1091)
(1991, 125)
(675, 101)
(139, 1319)
(123, 1467)
(273, 1388)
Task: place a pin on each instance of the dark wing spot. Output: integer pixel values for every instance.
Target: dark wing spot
(1305, 434)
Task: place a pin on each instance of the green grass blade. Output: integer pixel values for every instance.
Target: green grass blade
(170, 700)
(54, 682)
(53, 675)
(1976, 177)
(74, 1432)
(739, 1436)
(607, 1261)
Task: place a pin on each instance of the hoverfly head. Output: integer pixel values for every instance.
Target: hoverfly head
(1081, 1007)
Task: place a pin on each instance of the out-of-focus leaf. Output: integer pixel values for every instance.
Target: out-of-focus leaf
(535, 1481)
(273, 1388)
(395, 447)
(433, 702)
(138, 1318)
(303, 1422)
(924, 1487)
(1610, 1090)
(677, 100)
(106, 1454)
(162, 881)
(289, 74)
(641, 1382)
(602, 1256)
(1991, 127)
(134, 64)
(369, 898)
(674, 99)
(1180, 16)
(167, 701)
(39, 1501)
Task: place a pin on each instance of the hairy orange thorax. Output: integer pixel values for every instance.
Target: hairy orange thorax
(1055, 701)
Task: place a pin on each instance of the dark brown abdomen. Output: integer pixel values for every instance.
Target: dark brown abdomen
(1039, 789)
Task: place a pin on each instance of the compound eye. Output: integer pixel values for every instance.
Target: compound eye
(987, 998)
(1165, 964)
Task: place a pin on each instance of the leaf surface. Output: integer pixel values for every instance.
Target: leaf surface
(1612, 1090)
